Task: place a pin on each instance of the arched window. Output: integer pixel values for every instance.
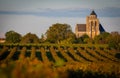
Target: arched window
(91, 23)
(95, 23)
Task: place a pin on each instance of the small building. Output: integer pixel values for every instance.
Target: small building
(91, 28)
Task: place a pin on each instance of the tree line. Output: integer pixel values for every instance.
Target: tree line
(62, 34)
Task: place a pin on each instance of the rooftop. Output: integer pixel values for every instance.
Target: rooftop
(81, 27)
(93, 13)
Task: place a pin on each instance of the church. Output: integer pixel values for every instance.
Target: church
(92, 27)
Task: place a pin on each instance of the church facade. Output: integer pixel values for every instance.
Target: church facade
(92, 27)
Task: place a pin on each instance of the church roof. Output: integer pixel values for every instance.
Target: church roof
(101, 28)
(93, 13)
(81, 27)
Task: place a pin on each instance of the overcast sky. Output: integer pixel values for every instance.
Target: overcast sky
(36, 16)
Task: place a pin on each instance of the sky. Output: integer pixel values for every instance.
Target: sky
(36, 16)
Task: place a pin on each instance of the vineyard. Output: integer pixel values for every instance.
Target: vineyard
(72, 61)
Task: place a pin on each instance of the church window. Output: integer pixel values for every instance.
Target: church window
(95, 23)
(91, 23)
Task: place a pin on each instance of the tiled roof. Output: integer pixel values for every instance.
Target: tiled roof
(81, 27)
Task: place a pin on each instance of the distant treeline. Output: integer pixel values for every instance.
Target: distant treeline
(62, 34)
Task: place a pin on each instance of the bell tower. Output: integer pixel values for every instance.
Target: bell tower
(92, 25)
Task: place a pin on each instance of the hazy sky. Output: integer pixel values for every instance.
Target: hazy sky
(36, 16)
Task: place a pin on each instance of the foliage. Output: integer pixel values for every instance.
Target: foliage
(58, 32)
(12, 37)
(102, 38)
(117, 55)
(82, 61)
(114, 41)
(30, 38)
(83, 39)
(42, 39)
(35, 69)
(68, 41)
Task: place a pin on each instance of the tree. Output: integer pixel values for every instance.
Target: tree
(58, 32)
(83, 39)
(42, 39)
(102, 38)
(30, 38)
(114, 41)
(12, 37)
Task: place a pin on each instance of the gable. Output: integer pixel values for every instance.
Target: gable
(81, 27)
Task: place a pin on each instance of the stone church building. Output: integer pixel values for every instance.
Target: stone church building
(91, 28)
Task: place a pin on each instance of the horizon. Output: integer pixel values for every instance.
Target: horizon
(38, 15)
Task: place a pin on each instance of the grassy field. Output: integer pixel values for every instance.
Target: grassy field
(58, 61)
